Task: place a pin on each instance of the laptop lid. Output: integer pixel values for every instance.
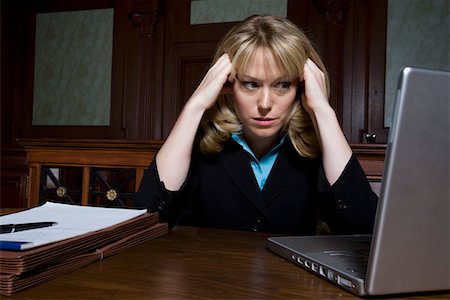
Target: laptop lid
(410, 246)
(409, 251)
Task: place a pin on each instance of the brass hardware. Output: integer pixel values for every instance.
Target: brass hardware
(111, 195)
(61, 191)
(370, 138)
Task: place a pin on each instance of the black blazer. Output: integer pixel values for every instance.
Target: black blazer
(221, 191)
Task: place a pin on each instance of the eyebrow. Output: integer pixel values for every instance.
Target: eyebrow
(245, 77)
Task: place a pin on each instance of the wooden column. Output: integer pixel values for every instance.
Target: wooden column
(144, 56)
(334, 12)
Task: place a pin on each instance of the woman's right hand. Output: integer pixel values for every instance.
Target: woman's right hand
(213, 83)
(174, 157)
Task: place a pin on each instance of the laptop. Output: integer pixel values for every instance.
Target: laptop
(409, 249)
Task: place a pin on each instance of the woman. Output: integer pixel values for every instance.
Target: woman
(269, 154)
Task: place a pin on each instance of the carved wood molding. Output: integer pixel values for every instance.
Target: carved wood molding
(145, 22)
(334, 10)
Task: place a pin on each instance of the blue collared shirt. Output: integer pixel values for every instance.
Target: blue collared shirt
(261, 168)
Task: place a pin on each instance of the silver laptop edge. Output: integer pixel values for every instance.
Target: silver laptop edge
(347, 281)
(410, 247)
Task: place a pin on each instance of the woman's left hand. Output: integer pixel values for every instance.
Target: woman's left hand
(336, 151)
(315, 95)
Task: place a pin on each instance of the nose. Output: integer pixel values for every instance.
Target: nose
(265, 101)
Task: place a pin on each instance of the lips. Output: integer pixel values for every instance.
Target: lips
(264, 122)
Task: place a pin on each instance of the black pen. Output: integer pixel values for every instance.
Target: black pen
(10, 228)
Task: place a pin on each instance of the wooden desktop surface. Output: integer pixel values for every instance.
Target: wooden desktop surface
(194, 263)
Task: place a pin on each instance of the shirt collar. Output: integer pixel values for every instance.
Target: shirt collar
(241, 141)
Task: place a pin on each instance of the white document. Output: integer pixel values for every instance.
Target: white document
(72, 221)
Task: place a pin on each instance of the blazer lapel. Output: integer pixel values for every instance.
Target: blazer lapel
(236, 163)
(283, 171)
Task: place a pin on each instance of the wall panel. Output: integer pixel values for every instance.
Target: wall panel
(159, 58)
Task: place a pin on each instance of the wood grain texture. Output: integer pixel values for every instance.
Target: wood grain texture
(194, 263)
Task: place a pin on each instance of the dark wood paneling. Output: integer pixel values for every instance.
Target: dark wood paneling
(45, 6)
(186, 64)
(189, 50)
(16, 19)
(143, 71)
(13, 179)
(13, 185)
(154, 42)
(351, 38)
(26, 65)
(354, 73)
(159, 59)
(377, 70)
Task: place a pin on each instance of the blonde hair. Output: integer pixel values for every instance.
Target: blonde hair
(291, 48)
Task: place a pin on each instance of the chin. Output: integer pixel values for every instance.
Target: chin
(266, 133)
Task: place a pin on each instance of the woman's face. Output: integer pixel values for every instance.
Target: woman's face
(263, 98)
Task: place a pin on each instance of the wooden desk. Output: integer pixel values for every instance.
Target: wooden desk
(193, 263)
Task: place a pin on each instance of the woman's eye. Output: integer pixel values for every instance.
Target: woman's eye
(250, 85)
(283, 85)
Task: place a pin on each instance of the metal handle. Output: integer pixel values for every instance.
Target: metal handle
(370, 138)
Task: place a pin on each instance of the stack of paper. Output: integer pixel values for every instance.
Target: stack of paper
(82, 235)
